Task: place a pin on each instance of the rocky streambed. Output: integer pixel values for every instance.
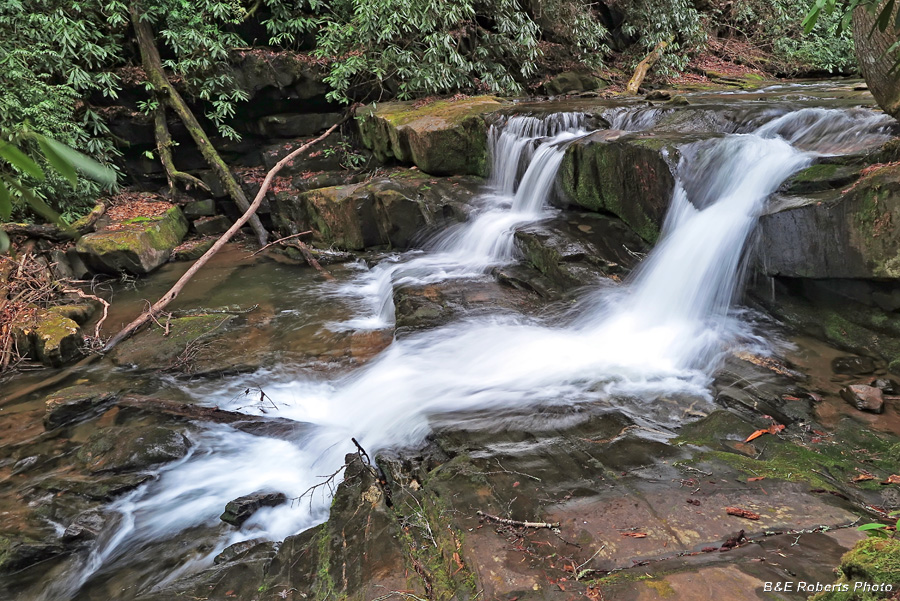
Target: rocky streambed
(476, 475)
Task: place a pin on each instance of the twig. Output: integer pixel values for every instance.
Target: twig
(517, 523)
(281, 240)
(578, 574)
(105, 304)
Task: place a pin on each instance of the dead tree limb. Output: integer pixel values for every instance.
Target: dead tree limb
(167, 95)
(270, 244)
(644, 67)
(54, 233)
(169, 296)
(164, 145)
(517, 523)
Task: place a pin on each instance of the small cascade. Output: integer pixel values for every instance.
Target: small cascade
(660, 334)
(486, 240)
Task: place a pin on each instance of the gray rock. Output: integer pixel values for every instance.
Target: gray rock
(292, 125)
(886, 385)
(239, 511)
(211, 226)
(864, 398)
(124, 449)
(571, 82)
(76, 403)
(658, 95)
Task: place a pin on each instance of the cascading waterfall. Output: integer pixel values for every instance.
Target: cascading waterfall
(660, 334)
(470, 249)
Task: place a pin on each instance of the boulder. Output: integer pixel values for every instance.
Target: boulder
(132, 448)
(291, 125)
(628, 175)
(49, 337)
(447, 137)
(571, 82)
(154, 348)
(258, 70)
(385, 212)
(239, 511)
(864, 398)
(199, 208)
(137, 246)
(212, 226)
(863, 227)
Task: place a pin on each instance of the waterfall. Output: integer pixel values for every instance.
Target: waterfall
(471, 249)
(660, 334)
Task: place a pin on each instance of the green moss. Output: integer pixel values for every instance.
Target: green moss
(816, 172)
(324, 588)
(871, 561)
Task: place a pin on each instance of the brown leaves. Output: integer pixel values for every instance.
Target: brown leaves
(756, 479)
(742, 513)
(863, 476)
(892, 479)
(773, 429)
(634, 534)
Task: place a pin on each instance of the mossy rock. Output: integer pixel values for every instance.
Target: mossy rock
(873, 561)
(821, 177)
(141, 246)
(572, 82)
(627, 175)
(49, 337)
(448, 137)
(853, 235)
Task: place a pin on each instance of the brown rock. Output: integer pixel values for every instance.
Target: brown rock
(864, 398)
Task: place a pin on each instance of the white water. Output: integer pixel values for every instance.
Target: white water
(471, 249)
(660, 334)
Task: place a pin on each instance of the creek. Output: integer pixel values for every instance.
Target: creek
(661, 334)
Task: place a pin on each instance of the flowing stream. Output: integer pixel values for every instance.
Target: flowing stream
(661, 333)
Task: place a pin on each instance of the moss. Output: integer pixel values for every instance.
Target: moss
(816, 172)
(872, 561)
(324, 587)
(662, 587)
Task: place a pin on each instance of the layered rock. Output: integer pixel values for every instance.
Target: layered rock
(448, 137)
(852, 235)
(385, 212)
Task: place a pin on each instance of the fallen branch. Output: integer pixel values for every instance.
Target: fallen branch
(643, 67)
(517, 523)
(309, 258)
(169, 296)
(103, 302)
(280, 240)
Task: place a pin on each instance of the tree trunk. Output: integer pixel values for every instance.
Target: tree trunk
(644, 67)
(168, 95)
(164, 147)
(875, 62)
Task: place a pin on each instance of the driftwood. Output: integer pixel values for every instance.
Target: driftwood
(644, 67)
(169, 296)
(517, 523)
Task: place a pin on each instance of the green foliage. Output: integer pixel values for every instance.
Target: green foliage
(676, 22)
(840, 14)
(60, 158)
(409, 48)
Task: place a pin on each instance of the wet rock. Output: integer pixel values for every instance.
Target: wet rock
(571, 82)
(863, 226)
(239, 550)
(76, 403)
(852, 365)
(239, 510)
(21, 552)
(191, 251)
(139, 248)
(624, 174)
(212, 226)
(678, 100)
(199, 208)
(96, 488)
(154, 348)
(886, 385)
(132, 448)
(447, 137)
(86, 526)
(864, 398)
(393, 212)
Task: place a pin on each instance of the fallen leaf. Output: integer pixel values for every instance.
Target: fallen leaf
(892, 479)
(788, 397)
(863, 477)
(742, 513)
(773, 429)
(635, 534)
(756, 479)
